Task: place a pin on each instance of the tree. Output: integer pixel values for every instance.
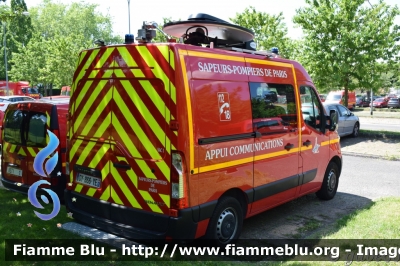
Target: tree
(61, 32)
(344, 41)
(18, 30)
(270, 30)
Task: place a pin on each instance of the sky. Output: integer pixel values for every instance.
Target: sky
(156, 10)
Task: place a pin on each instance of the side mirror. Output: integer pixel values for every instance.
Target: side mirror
(333, 118)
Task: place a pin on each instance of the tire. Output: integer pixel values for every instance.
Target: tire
(356, 130)
(226, 222)
(330, 183)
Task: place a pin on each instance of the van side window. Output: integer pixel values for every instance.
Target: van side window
(310, 107)
(273, 107)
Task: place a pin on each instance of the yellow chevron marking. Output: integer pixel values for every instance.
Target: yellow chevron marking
(93, 73)
(75, 147)
(127, 140)
(150, 91)
(92, 56)
(31, 151)
(85, 152)
(82, 55)
(108, 74)
(95, 116)
(89, 103)
(13, 147)
(146, 196)
(115, 197)
(71, 176)
(172, 59)
(97, 158)
(124, 188)
(104, 57)
(145, 169)
(164, 50)
(155, 127)
(78, 188)
(119, 73)
(103, 127)
(166, 199)
(130, 62)
(91, 192)
(164, 169)
(157, 71)
(168, 145)
(83, 93)
(21, 151)
(189, 111)
(47, 119)
(106, 194)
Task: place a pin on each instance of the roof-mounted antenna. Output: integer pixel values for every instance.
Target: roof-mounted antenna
(147, 32)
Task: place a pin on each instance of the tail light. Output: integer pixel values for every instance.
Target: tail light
(178, 182)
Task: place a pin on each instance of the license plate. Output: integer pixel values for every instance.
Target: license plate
(88, 180)
(14, 171)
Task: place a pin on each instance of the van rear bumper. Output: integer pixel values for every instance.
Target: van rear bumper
(12, 185)
(181, 228)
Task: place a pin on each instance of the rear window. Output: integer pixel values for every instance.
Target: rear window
(25, 128)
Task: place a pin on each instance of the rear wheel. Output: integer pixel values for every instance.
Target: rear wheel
(226, 222)
(356, 130)
(330, 183)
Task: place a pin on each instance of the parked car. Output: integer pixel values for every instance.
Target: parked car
(5, 100)
(349, 124)
(380, 102)
(394, 103)
(362, 102)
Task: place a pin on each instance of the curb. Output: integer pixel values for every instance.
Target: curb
(383, 135)
(371, 156)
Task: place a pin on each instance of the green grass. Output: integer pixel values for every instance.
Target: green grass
(17, 213)
(379, 133)
(379, 220)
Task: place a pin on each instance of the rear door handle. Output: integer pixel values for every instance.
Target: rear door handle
(307, 143)
(21, 157)
(289, 146)
(122, 166)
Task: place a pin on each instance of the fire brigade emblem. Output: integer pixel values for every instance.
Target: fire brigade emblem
(316, 146)
(224, 106)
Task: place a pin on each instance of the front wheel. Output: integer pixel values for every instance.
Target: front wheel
(226, 222)
(356, 130)
(330, 183)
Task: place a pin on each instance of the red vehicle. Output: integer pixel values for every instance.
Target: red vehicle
(380, 102)
(18, 88)
(155, 145)
(24, 134)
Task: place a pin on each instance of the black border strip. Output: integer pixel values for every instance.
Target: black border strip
(206, 141)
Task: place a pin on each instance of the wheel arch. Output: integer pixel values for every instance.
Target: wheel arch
(338, 161)
(238, 194)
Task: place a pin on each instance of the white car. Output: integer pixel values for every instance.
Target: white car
(348, 124)
(5, 100)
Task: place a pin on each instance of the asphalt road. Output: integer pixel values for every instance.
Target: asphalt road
(362, 180)
(388, 124)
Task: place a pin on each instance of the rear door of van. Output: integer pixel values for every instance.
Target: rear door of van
(119, 148)
(24, 135)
